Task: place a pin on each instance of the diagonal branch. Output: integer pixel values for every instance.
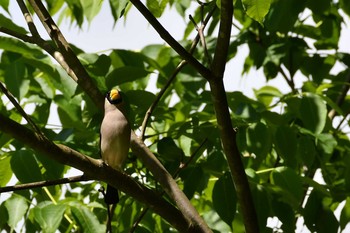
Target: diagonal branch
(341, 96)
(83, 78)
(20, 109)
(170, 40)
(96, 169)
(28, 17)
(169, 185)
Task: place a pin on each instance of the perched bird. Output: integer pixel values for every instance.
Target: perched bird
(115, 138)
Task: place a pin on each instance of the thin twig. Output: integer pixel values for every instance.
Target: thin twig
(172, 77)
(341, 96)
(200, 30)
(41, 184)
(290, 81)
(20, 109)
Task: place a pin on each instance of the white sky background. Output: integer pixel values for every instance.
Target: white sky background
(135, 33)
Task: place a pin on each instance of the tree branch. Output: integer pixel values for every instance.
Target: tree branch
(227, 133)
(182, 64)
(28, 18)
(169, 185)
(83, 78)
(20, 109)
(98, 170)
(223, 41)
(176, 173)
(164, 34)
(341, 96)
(46, 183)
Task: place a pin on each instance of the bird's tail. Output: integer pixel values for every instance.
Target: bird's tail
(112, 195)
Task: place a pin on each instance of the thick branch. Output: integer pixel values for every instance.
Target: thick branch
(96, 169)
(227, 133)
(223, 41)
(228, 138)
(84, 80)
(170, 40)
(168, 184)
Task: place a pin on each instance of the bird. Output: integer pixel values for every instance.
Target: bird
(114, 138)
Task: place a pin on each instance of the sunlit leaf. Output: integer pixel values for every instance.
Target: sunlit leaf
(257, 9)
(313, 113)
(16, 207)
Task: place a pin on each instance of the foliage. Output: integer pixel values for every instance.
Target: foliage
(284, 137)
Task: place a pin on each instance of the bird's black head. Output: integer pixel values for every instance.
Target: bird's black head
(114, 97)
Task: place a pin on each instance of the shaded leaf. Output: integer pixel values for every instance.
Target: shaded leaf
(224, 198)
(286, 144)
(288, 181)
(168, 150)
(25, 166)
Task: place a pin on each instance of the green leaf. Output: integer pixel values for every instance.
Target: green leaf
(313, 113)
(258, 139)
(266, 94)
(345, 214)
(77, 10)
(283, 15)
(306, 150)
(69, 111)
(87, 220)
(17, 46)
(141, 99)
(195, 180)
(156, 6)
(16, 207)
(49, 216)
(345, 5)
(25, 166)
(326, 142)
(324, 221)
(5, 4)
(224, 198)
(289, 183)
(124, 75)
(168, 150)
(286, 144)
(8, 23)
(98, 65)
(257, 9)
(14, 79)
(5, 170)
(118, 8)
(91, 8)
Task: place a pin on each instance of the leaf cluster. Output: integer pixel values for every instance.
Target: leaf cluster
(284, 137)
